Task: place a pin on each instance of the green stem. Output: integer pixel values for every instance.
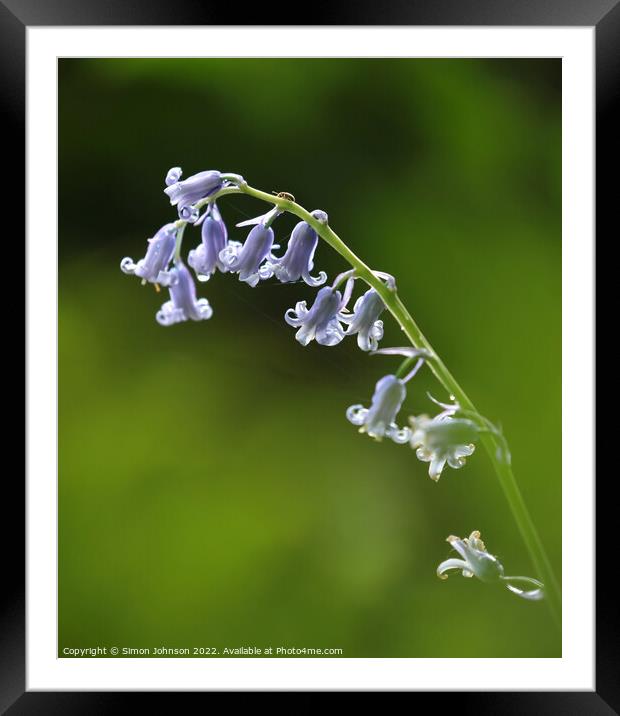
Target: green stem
(491, 442)
(180, 224)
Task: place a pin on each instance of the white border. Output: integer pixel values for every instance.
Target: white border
(575, 670)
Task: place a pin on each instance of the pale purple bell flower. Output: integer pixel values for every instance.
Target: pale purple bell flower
(205, 258)
(154, 266)
(379, 420)
(247, 259)
(365, 320)
(184, 194)
(320, 322)
(297, 261)
(183, 304)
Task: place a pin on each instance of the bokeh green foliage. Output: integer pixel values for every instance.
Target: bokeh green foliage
(211, 491)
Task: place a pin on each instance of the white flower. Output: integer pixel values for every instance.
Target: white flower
(442, 439)
(477, 562)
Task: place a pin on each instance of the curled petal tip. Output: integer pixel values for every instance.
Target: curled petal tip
(173, 175)
(189, 214)
(127, 265)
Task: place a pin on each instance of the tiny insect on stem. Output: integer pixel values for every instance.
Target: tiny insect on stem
(284, 195)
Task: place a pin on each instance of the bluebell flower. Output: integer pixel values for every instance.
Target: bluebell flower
(477, 562)
(379, 420)
(184, 194)
(247, 259)
(154, 266)
(183, 304)
(319, 323)
(442, 440)
(297, 261)
(205, 258)
(365, 320)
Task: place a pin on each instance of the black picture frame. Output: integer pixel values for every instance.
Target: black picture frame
(17, 15)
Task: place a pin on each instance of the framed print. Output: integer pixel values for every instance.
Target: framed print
(309, 320)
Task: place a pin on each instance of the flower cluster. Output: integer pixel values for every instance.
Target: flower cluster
(475, 561)
(327, 321)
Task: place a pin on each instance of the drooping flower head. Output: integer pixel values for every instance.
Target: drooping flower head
(183, 304)
(154, 266)
(297, 261)
(477, 562)
(443, 439)
(320, 322)
(365, 320)
(205, 258)
(379, 420)
(247, 259)
(184, 194)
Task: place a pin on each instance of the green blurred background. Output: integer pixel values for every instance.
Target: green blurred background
(211, 491)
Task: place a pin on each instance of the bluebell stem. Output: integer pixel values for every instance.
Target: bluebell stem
(183, 304)
(297, 261)
(443, 439)
(184, 194)
(154, 266)
(477, 562)
(247, 259)
(379, 420)
(320, 323)
(365, 320)
(205, 258)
